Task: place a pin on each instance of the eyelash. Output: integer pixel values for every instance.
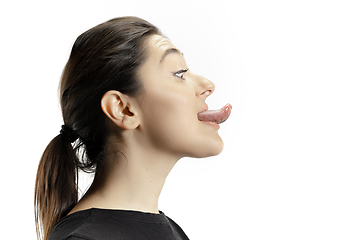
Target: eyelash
(182, 71)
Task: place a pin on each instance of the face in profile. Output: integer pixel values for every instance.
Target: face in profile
(172, 98)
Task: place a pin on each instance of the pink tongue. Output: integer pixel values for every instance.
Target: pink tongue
(216, 116)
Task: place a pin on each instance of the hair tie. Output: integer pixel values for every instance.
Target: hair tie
(68, 134)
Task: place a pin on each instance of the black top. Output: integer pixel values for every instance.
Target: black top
(106, 224)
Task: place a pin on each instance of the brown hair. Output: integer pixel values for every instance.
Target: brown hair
(106, 57)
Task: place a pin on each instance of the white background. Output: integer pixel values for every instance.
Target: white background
(291, 69)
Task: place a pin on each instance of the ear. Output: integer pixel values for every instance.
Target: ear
(120, 110)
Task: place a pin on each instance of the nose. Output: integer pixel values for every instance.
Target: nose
(204, 87)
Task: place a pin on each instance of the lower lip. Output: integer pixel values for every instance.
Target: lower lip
(212, 124)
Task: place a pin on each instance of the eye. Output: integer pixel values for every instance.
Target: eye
(180, 74)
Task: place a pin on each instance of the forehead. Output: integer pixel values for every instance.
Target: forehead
(157, 45)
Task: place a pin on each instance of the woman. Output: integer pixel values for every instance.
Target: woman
(131, 109)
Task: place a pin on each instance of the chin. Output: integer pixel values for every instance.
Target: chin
(212, 148)
(217, 149)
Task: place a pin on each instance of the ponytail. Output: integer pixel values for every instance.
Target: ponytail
(56, 191)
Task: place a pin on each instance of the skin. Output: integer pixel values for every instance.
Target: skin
(152, 131)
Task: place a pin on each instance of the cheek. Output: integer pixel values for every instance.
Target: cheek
(167, 114)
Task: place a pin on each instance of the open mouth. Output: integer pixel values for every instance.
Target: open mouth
(215, 116)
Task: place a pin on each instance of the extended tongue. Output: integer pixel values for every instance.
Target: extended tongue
(216, 116)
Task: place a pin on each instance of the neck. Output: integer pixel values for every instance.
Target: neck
(130, 180)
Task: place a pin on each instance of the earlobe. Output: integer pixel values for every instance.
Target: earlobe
(119, 110)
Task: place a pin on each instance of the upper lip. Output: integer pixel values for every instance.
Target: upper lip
(204, 108)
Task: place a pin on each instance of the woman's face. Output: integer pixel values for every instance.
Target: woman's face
(172, 98)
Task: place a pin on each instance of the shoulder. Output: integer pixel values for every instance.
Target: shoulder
(176, 228)
(89, 224)
(99, 224)
(68, 226)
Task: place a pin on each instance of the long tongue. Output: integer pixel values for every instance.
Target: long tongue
(216, 116)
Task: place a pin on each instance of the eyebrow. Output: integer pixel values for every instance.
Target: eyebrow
(168, 51)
